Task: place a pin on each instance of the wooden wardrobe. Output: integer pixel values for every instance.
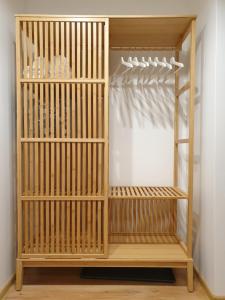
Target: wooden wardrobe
(65, 205)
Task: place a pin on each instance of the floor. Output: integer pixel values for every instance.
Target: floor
(65, 284)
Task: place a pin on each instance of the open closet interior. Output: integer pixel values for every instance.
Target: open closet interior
(68, 213)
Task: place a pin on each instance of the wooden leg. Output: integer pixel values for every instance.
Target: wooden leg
(19, 274)
(190, 277)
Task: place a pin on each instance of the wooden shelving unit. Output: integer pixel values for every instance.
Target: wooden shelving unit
(67, 215)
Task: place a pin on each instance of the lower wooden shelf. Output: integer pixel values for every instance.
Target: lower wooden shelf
(123, 255)
(143, 192)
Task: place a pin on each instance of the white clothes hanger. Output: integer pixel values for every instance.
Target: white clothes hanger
(138, 63)
(159, 63)
(145, 61)
(177, 64)
(151, 62)
(168, 65)
(126, 63)
(169, 68)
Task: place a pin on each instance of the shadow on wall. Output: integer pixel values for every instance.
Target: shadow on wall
(141, 121)
(141, 95)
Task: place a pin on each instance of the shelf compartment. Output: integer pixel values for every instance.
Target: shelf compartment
(143, 192)
(142, 220)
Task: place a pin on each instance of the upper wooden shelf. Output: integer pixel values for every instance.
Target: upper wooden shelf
(141, 192)
(153, 32)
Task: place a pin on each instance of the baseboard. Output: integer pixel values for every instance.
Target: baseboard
(6, 287)
(206, 288)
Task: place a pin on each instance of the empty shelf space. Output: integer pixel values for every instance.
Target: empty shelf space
(142, 192)
(156, 252)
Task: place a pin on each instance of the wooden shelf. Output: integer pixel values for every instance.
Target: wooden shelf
(153, 32)
(123, 255)
(142, 192)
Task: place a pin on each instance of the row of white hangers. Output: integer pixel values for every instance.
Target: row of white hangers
(158, 69)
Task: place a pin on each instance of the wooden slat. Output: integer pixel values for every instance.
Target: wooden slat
(84, 148)
(99, 226)
(78, 226)
(26, 168)
(46, 50)
(41, 155)
(30, 54)
(47, 164)
(63, 146)
(25, 62)
(68, 163)
(57, 146)
(83, 226)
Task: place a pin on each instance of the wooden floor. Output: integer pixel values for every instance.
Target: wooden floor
(65, 284)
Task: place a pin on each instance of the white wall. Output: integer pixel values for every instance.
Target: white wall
(7, 139)
(204, 205)
(219, 188)
(141, 125)
(108, 7)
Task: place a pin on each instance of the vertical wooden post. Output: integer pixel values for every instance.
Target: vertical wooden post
(106, 133)
(19, 274)
(190, 276)
(18, 84)
(176, 124)
(191, 155)
(191, 138)
(176, 136)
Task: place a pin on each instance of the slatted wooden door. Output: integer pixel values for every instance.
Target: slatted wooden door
(62, 138)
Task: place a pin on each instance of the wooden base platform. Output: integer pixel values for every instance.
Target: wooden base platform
(124, 255)
(120, 255)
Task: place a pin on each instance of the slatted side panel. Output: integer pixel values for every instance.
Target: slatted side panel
(63, 136)
(59, 49)
(49, 232)
(142, 221)
(53, 117)
(63, 110)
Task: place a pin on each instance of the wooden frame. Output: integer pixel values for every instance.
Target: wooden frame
(62, 148)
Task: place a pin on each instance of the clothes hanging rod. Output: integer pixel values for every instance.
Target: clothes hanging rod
(144, 48)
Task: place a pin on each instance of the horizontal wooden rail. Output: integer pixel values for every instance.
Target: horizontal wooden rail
(183, 89)
(58, 80)
(63, 140)
(182, 141)
(60, 18)
(62, 198)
